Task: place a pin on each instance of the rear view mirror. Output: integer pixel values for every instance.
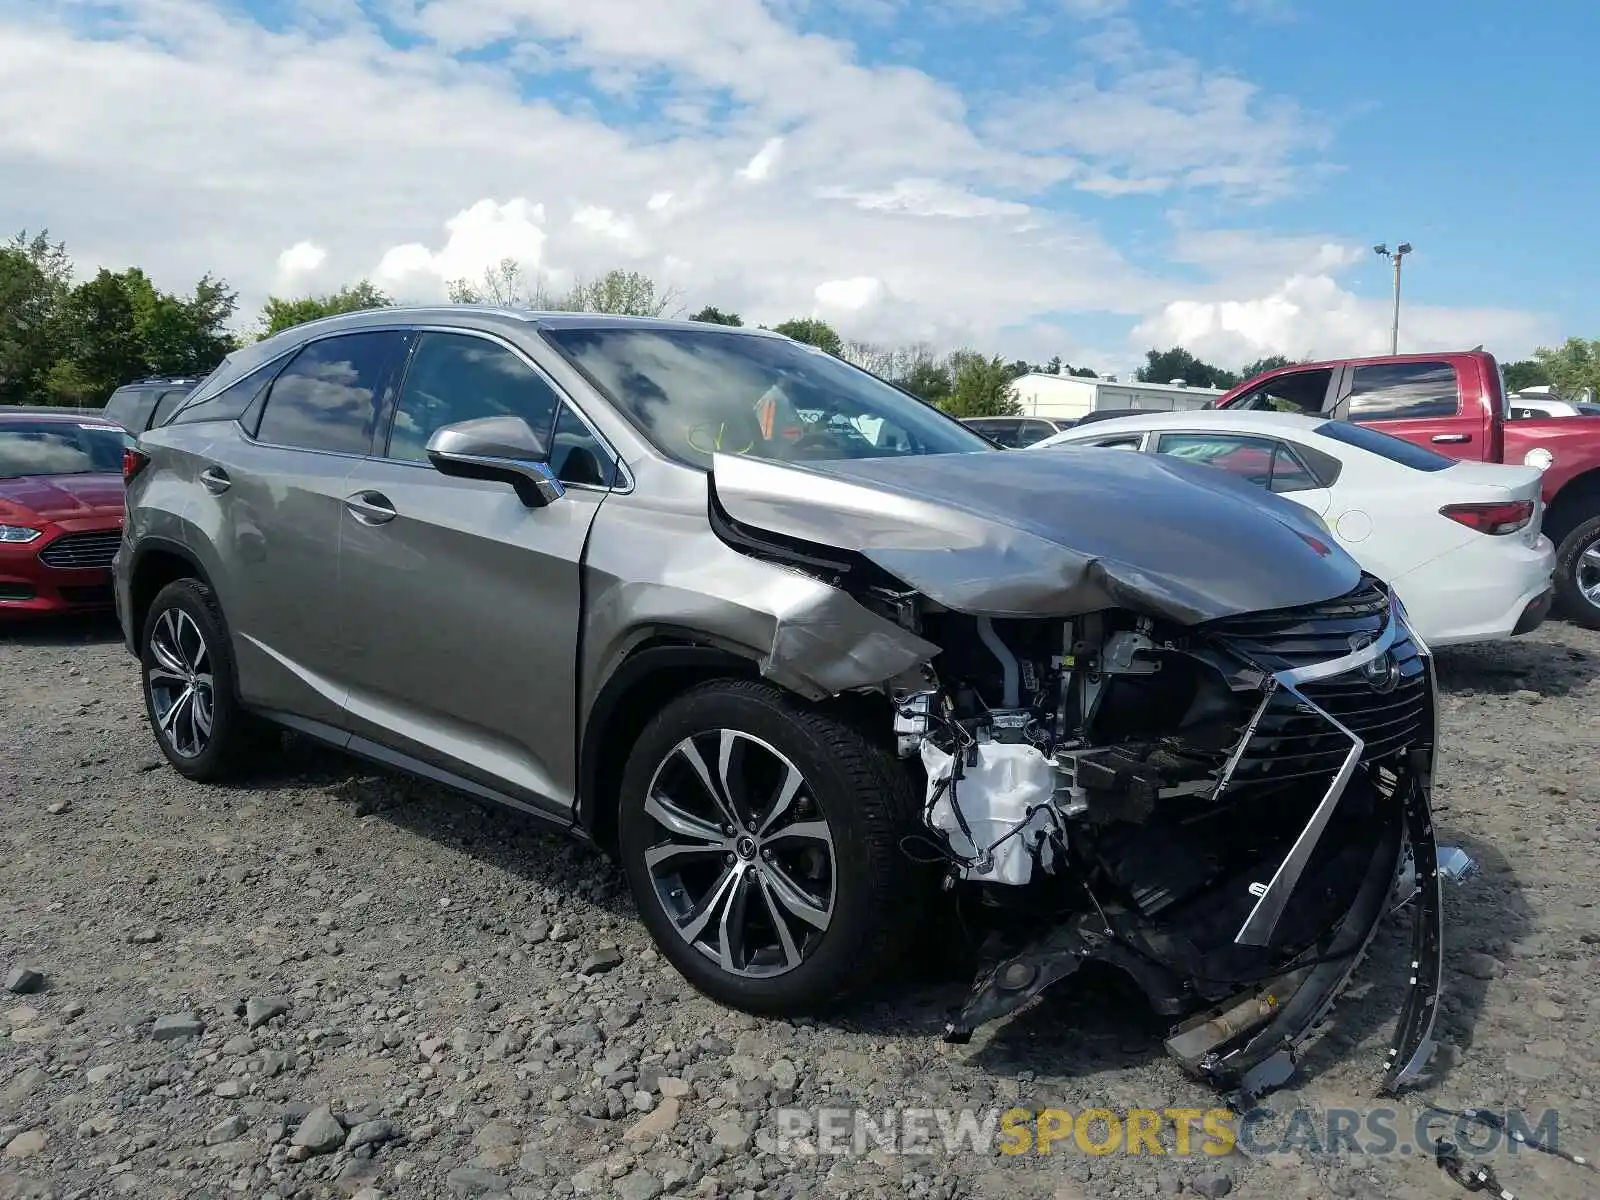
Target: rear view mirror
(499, 449)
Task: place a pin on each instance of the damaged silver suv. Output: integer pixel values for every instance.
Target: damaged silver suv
(805, 654)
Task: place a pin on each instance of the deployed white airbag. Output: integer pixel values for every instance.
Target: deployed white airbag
(1005, 799)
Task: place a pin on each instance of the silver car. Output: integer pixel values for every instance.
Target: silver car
(809, 657)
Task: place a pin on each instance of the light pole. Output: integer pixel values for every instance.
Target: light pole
(1400, 251)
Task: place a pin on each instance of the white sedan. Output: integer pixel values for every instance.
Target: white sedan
(1458, 540)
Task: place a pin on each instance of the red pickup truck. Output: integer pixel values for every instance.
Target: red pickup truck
(1455, 403)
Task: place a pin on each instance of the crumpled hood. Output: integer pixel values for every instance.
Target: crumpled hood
(62, 497)
(1052, 533)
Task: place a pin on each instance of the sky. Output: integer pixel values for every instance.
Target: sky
(1075, 178)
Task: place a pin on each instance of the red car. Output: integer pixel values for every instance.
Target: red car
(61, 511)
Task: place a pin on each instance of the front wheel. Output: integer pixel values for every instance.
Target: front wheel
(1578, 574)
(761, 841)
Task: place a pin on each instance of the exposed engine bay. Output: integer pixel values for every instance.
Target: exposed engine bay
(1160, 719)
(1223, 811)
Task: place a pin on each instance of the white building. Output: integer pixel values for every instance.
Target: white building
(1072, 396)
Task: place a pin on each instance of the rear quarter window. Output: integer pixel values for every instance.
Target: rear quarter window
(1397, 450)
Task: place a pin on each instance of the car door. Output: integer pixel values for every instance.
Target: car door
(464, 603)
(270, 495)
(1268, 463)
(1420, 401)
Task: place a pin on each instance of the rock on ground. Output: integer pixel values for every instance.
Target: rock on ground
(498, 1044)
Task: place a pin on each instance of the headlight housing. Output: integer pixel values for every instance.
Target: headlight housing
(17, 534)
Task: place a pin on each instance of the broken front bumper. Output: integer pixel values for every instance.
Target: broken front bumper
(1246, 1042)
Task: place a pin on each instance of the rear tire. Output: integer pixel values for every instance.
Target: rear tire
(1577, 574)
(190, 687)
(742, 809)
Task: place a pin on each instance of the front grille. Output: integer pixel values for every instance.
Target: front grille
(1292, 740)
(1298, 637)
(78, 551)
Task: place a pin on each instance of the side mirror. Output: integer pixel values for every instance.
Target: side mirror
(499, 449)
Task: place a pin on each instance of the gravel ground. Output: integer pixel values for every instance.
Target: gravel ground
(333, 981)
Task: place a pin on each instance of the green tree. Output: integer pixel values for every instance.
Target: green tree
(102, 348)
(280, 314)
(35, 278)
(928, 380)
(182, 335)
(624, 293)
(502, 285)
(812, 332)
(981, 387)
(712, 315)
(1053, 367)
(1163, 366)
(1572, 367)
(1082, 372)
(1526, 373)
(1261, 365)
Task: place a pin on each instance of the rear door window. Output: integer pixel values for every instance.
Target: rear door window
(165, 406)
(1265, 462)
(130, 407)
(1407, 391)
(1120, 441)
(328, 398)
(1003, 432)
(1035, 431)
(1249, 458)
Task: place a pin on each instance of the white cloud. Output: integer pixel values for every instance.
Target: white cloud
(1311, 316)
(766, 159)
(300, 260)
(926, 198)
(851, 296)
(226, 142)
(604, 222)
(479, 237)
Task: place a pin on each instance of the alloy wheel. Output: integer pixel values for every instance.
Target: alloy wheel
(180, 682)
(744, 863)
(1588, 573)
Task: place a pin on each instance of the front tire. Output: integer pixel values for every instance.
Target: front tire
(1578, 574)
(761, 841)
(189, 682)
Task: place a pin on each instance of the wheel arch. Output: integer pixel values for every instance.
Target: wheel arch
(1575, 503)
(654, 674)
(157, 562)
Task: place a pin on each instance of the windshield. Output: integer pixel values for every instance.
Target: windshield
(60, 448)
(695, 393)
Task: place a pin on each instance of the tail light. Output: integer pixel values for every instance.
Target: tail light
(133, 461)
(1491, 518)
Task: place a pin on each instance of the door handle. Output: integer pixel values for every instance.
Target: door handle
(215, 480)
(1452, 437)
(370, 508)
